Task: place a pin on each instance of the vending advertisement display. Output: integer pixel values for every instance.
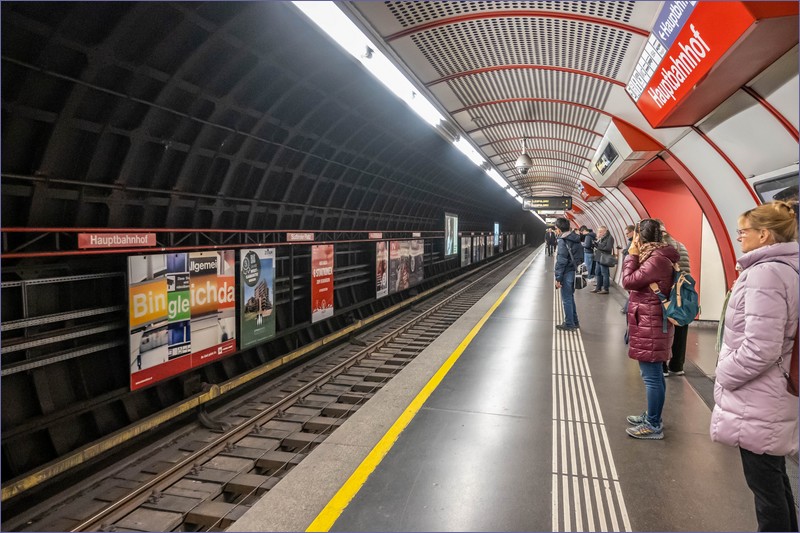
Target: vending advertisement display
(257, 293)
(466, 251)
(450, 234)
(181, 312)
(321, 282)
(381, 269)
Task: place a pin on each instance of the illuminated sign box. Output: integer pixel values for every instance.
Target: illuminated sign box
(709, 52)
(115, 240)
(547, 202)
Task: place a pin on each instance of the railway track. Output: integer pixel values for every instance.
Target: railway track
(205, 477)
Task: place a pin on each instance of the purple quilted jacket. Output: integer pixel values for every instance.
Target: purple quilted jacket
(753, 409)
(647, 341)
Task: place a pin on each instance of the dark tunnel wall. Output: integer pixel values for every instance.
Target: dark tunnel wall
(233, 115)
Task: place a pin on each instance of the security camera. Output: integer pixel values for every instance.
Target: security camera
(523, 169)
(523, 163)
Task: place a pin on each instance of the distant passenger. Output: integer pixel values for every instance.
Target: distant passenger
(568, 257)
(649, 262)
(629, 236)
(753, 409)
(675, 365)
(551, 239)
(588, 250)
(604, 243)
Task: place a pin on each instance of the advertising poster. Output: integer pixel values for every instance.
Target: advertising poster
(181, 312)
(416, 266)
(496, 233)
(489, 246)
(503, 243)
(466, 251)
(399, 266)
(257, 293)
(481, 247)
(381, 269)
(450, 234)
(321, 282)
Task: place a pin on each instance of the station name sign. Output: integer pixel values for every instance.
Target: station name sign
(299, 237)
(688, 42)
(115, 240)
(375, 235)
(547, 202)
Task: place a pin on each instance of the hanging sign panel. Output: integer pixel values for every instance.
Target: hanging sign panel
(257, 293)
(381, 269)
(181, 312)
(321, 282)
(547, 202)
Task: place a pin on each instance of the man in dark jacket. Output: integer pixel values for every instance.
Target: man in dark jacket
(568, 257)
(550, 240)
(675, 365)
(629, 236)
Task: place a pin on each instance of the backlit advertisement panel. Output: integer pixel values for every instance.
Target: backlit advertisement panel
(321, 282)
(181, 309)
(496, 233)
(450, 234)
(381, 269)
(466, 251)
(257, 293)
(416, 259)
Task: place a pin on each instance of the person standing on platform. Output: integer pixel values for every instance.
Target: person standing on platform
(675, 365)
(604, 243)
(629, 236)
(649, 263)
(550, 239)
(753, 409)
(567, 261)
(588, 239)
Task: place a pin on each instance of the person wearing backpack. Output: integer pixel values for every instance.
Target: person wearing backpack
(753, 409)
(676, 362)
(649, 260)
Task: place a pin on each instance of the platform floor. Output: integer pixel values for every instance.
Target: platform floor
(525, 432)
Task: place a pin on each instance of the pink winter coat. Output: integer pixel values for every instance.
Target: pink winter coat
(648, 342)
(753, 409)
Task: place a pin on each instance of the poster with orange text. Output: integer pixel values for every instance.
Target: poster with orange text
(181, 312)
(321, 282)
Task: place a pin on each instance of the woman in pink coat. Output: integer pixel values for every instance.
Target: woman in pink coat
(650, 261)
(753, 409)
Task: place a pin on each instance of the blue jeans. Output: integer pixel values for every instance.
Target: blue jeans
(588, 260)
(603, 277)
(655, 388)
(568, 299)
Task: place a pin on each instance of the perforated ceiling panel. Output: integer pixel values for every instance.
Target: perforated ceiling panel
(508, 72)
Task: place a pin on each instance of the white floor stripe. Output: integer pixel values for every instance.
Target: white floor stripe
(582, 443)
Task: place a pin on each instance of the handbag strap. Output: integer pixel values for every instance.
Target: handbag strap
(569, 250)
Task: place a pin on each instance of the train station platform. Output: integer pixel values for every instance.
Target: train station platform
(507, 424)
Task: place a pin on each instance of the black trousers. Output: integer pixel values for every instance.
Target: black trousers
(678, 349)
(766, 477)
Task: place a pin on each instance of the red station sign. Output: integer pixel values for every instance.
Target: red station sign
(712, 56)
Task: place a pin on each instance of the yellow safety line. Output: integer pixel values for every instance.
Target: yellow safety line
(326, 518)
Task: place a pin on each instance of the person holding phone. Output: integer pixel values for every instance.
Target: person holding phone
(649, 263)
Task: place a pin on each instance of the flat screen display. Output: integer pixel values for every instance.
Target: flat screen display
(607, 157)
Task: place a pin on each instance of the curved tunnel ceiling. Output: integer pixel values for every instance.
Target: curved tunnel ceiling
(215, 115)
(514, 72)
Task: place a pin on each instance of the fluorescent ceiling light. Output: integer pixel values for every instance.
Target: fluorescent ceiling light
(466, 148)
(496, 177)
(341, 29)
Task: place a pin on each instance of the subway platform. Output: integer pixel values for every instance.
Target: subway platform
(507, 424)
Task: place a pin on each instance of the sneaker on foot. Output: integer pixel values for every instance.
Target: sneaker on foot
(666, 374)
(678, 373)
(646, 431)
(637, 420)
(562, 327)
(602, 291)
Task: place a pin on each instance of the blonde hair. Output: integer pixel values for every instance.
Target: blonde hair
(779, 218)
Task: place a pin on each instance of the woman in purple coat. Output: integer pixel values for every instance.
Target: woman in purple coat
(649, 261)
(753, 409)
